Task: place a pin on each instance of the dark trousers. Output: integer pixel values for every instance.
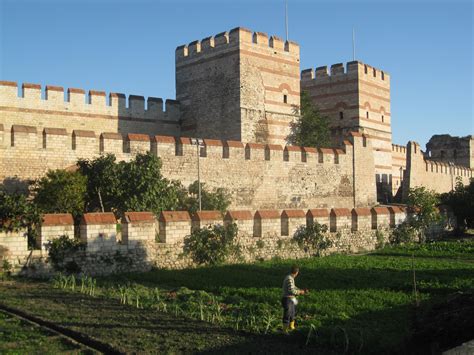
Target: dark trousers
(289, 310)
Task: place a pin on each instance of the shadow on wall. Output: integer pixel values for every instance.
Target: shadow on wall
(13, 184)
(119, 259)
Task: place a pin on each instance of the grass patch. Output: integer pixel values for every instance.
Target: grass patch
(358, 304)
(362, 303)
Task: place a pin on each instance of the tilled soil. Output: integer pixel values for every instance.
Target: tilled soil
(130, 330)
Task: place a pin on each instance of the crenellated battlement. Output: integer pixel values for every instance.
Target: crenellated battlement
(396, 148)
(354, 68)
(233, 39)
(440, 167)
(30, 137)
(34, 94)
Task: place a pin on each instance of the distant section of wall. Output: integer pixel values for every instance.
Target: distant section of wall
(438, 176)
(399, 166)
(256, 175)
(74, 110)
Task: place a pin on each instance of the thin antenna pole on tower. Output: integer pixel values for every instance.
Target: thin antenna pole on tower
(353, 44)
(286, 19)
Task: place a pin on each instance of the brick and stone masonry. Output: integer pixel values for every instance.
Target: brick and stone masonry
(262, 235)
(238, 90)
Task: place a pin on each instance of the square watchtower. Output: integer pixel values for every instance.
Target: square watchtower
(238, 85)
(356, 99)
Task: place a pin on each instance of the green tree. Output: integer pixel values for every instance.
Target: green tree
(461, 201)
(61, 191)
(143, 188)
(17, 212)
(103, 184)
(311, 128)
(217, 200)
(423, 204)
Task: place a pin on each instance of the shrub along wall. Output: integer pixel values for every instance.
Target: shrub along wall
(144, 242)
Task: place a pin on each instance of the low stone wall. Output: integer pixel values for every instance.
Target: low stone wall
(14, 249)
(148, 242)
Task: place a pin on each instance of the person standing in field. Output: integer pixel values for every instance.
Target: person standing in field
(289, 301)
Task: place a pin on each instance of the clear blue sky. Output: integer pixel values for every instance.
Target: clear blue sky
(128, 46)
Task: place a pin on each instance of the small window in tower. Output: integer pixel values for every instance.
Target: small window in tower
(383, 76)
(367, 114)
(365, 69)
(375, 73)
(383, 119)
(341, 115)
(285, 99)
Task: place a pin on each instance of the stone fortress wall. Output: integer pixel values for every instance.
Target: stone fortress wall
(435, 175)
(256, 175)
(239, 91)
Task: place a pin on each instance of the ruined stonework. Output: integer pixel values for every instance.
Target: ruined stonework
(238, 85)
(452, 150)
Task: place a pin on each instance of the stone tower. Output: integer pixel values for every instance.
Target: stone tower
(238, 85)
(356, 99)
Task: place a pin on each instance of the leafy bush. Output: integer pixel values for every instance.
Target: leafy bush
(313, 237)
(260, 244)
(60, 249)
(7, 268)
(423, 204)
(403, 233)
(380, 237)
(61, 191)
(212, 244)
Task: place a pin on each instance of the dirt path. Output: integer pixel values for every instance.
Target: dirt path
(108, 326)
